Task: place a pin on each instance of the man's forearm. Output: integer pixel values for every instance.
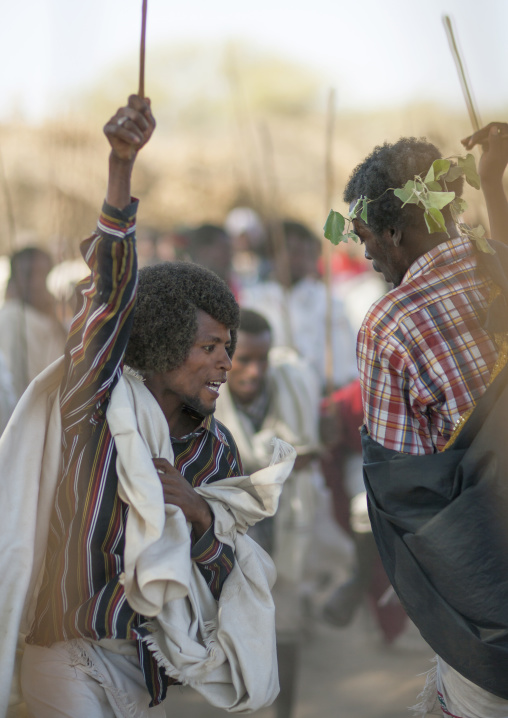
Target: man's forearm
(119, 182)
(214, 559)
(497, 208)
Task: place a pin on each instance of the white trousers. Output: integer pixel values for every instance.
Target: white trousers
(464, 699)
(448, 693)
(81, 679)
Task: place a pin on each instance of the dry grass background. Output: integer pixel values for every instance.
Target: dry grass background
(208, 152)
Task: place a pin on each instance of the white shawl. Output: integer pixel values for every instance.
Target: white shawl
(226, 651)
(293, 415)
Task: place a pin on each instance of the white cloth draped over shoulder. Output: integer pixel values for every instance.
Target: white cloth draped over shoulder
(225, 649)
(293, 415)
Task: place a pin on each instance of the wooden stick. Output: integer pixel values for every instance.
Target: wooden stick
(141, 91)
(246, 133)
(473, 113)
(327, 248)
(278, 235)
(11, 222)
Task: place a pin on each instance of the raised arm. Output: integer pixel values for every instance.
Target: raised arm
(100, 329)
(127, 132)
(494, 141)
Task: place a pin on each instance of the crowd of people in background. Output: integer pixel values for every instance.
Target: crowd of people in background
(278, 386)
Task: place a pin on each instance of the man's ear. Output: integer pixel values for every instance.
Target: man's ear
(392, 235)
(396, 235)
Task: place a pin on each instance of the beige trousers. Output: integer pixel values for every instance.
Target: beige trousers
(81, 679)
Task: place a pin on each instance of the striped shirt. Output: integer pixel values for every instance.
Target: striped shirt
(423, 356)
(81, 595)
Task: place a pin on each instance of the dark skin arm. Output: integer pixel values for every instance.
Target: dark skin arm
(302, 461)
(126, 137)
(179, 492)
(127, 132)
(494, 141)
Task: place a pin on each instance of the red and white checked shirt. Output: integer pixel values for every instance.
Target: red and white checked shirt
(423, 356)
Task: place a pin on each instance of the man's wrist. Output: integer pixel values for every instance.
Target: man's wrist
(119, 181)
(201, 525)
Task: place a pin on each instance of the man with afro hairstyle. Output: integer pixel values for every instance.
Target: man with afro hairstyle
(428, 352)
(117, 555)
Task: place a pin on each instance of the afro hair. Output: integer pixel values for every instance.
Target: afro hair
(165, 317)
(390, 166)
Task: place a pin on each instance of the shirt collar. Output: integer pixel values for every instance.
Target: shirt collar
(209, 424)
(454, 250)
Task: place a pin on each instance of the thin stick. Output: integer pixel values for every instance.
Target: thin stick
(141, 91)
(281, 256)
(245, 125)
(327, 253)
(473, 113)
(11, 222)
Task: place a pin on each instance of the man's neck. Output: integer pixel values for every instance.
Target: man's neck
(181, 420)
(185, 423)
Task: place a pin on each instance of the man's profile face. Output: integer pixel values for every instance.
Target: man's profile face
(250, 364)
(380, 249)
(197, 381)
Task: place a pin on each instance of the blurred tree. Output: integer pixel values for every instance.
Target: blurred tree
(192, 84)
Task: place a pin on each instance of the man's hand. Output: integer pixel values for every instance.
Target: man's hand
(127, 132)
(302, 461)
(494, 141)
(179, 492)
(130, 128)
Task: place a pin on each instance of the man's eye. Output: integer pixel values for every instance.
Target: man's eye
(209, 348)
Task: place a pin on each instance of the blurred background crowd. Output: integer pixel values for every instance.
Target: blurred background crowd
(235, 180)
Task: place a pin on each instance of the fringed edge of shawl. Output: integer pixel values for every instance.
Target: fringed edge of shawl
(281, 451)
(428, 699)
(80, 655)
(210, 663)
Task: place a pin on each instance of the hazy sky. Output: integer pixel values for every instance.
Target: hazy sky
(375, 52)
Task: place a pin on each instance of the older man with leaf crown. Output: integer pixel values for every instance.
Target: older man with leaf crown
(432, 360)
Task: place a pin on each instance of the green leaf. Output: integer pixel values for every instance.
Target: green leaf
(408, 193)
(351, 235)
(441, 167)
(477, 234)
(363, 215)
(434, 220)
(458, 206)
(453, 173)
(437, 169)
(354, 212)
(438, 200)
(434, 186)
(334, 227)
(468, 166)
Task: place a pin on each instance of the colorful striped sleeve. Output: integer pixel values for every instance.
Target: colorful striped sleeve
(101, 326)
(215, 560)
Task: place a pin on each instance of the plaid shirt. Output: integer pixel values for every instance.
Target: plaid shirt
(81, 594)
(423, 356)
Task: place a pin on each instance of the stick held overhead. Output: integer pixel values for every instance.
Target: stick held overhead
(473, 113)
(141, 89)
(327, 247)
